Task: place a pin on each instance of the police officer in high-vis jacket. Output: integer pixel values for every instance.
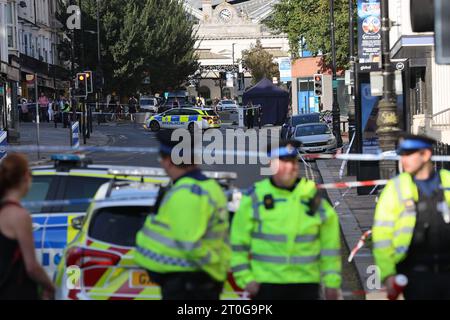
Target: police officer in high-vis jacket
(411, 232)
(184, 246)
(285, 238)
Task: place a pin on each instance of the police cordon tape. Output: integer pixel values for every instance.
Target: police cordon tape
(359, 245)
(70, 202)
(155, 150)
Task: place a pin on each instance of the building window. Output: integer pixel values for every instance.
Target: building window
(25, 43)
(11, 25)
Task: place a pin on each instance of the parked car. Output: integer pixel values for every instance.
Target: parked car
(315, 138)
(288, 128)
(71, 177)
(227, 105)
(148, 104)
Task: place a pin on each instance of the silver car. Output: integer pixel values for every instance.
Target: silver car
(227, 105)
(315, 138)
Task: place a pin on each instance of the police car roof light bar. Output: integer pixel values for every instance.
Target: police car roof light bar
(151, 172)
(66, 162)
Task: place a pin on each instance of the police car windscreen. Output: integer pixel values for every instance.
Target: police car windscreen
(118, 225)
(211, 113)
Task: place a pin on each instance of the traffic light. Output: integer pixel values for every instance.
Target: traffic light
(442, 31)
(98, 80)
(422, 15)
(89, 81)
(318, 84)
(81, 86)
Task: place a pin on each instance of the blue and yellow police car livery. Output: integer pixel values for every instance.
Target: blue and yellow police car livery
(188, 118)
(70, 181)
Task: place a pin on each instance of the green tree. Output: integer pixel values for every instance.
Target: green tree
(260, 63)
(309, 20)
(139, 38)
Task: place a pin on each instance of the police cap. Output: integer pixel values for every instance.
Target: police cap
(410, 143)
(287, 149)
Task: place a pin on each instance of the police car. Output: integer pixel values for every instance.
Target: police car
(99, 263)
(188, 118)
(66, 186)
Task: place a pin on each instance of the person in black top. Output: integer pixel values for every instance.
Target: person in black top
(20, 272)
(132, 107)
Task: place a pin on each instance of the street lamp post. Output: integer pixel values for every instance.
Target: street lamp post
(387, 120)
(351, 105)
(336, 109)
(99, 57)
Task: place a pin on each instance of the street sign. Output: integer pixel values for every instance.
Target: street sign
(335, 84)
(3, 143)
(75, 135)
(230, 80)
(285, 68)
(400, 66)
(30, 78)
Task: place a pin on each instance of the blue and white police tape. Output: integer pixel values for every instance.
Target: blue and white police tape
(154, 150)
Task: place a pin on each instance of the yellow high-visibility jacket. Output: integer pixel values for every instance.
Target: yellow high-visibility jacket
(189, 233)
(284, 244)
(395, 219)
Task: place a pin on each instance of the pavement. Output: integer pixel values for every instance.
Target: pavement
(51, 136)
(356, 216)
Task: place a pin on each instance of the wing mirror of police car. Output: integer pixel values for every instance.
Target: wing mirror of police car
(77, 222)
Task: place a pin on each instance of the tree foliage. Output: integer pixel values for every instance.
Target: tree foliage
(139, 39)
(260, 63)
(310, 20)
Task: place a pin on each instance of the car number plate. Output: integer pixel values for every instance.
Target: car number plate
(141, 279)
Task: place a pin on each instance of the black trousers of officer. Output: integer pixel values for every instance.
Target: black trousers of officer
(187, 286)
(295, 291)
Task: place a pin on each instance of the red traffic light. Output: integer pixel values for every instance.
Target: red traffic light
(318, 78)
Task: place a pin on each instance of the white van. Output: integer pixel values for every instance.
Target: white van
(148, 104)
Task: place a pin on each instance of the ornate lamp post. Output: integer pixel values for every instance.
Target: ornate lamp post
(387, 120)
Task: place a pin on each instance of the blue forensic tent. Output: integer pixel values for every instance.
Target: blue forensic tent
(273, 100)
